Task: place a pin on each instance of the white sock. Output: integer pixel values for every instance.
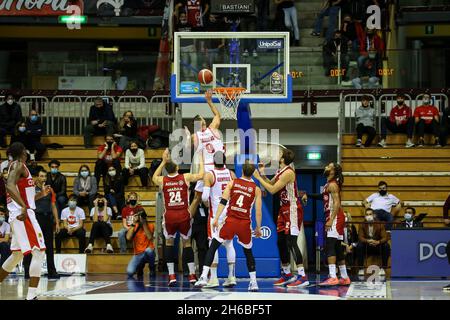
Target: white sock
(171, 267)
(31, 293)
(301, 271)
(286, 269)
(343, 270)
(252, 276)
(191, 266)
(205, 272)
(213, 272)
(230, 270)
(332, 268)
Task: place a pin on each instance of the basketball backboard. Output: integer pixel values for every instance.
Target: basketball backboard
(256, 61)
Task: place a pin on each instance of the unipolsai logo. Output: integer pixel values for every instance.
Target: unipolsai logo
(270, 44)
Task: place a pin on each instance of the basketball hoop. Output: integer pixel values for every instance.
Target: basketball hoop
(229, 100)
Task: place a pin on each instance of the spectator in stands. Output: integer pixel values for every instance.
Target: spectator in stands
(385, 206)
(114, 191)
(188, 47)
(141, 233)
(120, 81)
(290, 18)
(101, 121)
(331, 51)
(20, 134)
(85, 187)
(195, 10)
(445, 127)
(5, 164)
(128, 213)
(5, 233)
(350, 239)
(372, 239)
(331, 9)
(367, 73)
(400, 121)
(30, 138)
(213, 47)
(58, 182)
(47, 217)
(427, 121)
(135, 164)
(10, 115)
(3, 189)
(35, 130)
(365, 122)
(348, 29)
(128, 129)
(446, 211)
(410, 221)
(73, 219)
(101, 228)
(371, 47)
(108, 155)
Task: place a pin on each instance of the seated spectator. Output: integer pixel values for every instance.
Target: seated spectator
(371, 46)
(372, 240)
(135, 164)
(108, 155)
(331, 53)
(350, 240)
(120, 81)
(409, 221)
(128, 131)
(101, 228)
(20, 134)
(188, 50)
(128, 213)
(35, 130)
(73, 218)
(114, 191)
(384, 205)
(58, 182)
(5, 233)
(331, 9)
(427, 121)
(141, 233)
(365, 122)
(348, 29)
(445, 127)
(101, 121)
(291, 19)
(10, 115)
(30, 139)
(3, 188)
(367, 74)
(85, 187)
(446, 209)
(400, 121)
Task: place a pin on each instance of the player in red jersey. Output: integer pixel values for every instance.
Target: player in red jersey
(27, 235)
(335, 223)
(240, 195)
(290, 219)
(176, 217)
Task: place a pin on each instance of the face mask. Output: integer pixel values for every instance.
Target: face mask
(101, 204)
(112, 173)
(54, 170)
(22, 129)
(408, 216)
(426, 101)
(183, 21)
(133, 150)
(109, 143)
(84, 174)
(10, 158)
(133, 202)
(34, 118)
(369, 218)
(400, 102)
(72, 204)
(10, 102)
(2, 219)
(383, 192)
(346, 219)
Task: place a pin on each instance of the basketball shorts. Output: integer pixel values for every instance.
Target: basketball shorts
(290, 220)
(211, 231)
(177, 221)
(337, 228)
(235, 227)
(26, 235)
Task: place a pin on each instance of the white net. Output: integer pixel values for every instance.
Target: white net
(229, 99)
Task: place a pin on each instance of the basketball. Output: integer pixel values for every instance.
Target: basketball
(205, 76)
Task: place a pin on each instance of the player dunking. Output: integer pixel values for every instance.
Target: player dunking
(241, 194)
(290, 219)
(176, 216)
(27, 235)
(215, 183)
(335, 222)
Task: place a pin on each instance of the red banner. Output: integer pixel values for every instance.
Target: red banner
(37, 7)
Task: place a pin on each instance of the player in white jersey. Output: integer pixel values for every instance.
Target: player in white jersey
(27, 235)
(215, 182)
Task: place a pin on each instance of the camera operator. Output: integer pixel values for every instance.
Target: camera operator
(141, 233)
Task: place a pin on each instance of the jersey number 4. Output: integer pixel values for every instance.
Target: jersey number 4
(240, 201)
(175, 197)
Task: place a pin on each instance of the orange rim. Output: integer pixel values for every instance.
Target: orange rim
(230, 93)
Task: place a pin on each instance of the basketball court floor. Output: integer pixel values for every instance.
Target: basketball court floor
(118, 287)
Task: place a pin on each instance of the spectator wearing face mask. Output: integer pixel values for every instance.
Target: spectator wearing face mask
(188, 51)
(85, 187)
(371, 46)
(10, 115)
(334, 49)
(384, 205)
(73, 219)
(58, 182)
(22, 135)
(101, 121)
(128, 129)
(427, 121)
(400, 121)
(365, 122)
(114, 191)
(372, 240)
(409, 221)
(135, 164)
(35, 130)
(5, 234)
(128, 212)
(350, 239)
(5, 164)
(101, 228)
(108, 155)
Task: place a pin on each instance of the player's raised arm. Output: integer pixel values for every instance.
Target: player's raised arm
(194, 177)
(157, 178)
(208, 180)
(258, 209)
(215, 124)
(15, 173)
(223, 202)
(285, 178)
